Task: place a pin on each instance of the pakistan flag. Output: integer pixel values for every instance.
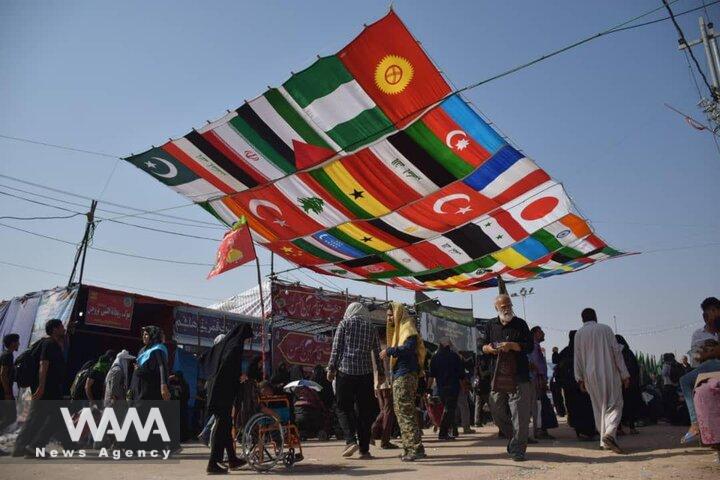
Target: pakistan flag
(161, 165)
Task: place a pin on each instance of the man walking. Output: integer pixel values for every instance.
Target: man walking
(8, 411)
(446, 370)
(508, 340)
(601, 372)
(350, 363)
(44, 418)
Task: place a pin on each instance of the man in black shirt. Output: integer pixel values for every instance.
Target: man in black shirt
(44, 418)
(509, 337)
(8, 412)
(447, 370)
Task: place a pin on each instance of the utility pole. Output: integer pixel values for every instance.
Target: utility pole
(615, 321)
(524, 292)
(708, 38)
(82, 248)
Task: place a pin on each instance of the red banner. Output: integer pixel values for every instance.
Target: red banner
(235, 249)
(303, 303)
(105, 309)
(295, 348)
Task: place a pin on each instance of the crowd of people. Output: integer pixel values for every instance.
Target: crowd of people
(375, 389)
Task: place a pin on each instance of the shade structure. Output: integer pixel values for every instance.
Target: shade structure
(367, 166)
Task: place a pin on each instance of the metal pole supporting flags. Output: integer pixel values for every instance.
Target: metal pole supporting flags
(262, 320)
(502, 288)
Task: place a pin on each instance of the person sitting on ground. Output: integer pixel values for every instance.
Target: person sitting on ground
(671, 372)
(705, 360)
(310, 412)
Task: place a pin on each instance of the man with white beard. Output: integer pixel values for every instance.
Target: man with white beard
(508, 340)
(601, 372)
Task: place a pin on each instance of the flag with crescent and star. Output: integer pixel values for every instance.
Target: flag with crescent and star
(366, 166)
(235, 249)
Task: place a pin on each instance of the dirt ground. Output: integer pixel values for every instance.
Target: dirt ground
(654, 454)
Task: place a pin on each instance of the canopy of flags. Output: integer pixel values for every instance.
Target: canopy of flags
(366, 166)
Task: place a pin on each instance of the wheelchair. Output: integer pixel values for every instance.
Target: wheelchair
(268, 441)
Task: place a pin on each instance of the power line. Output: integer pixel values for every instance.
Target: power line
(116, 252)
(42, 218)
(76, 204)
(99, 219)
(683, 41)
(62, 147)
(76, 195)
(651, 22)
(618, 28)
(119, 285)
(170, 232)
(105, 250)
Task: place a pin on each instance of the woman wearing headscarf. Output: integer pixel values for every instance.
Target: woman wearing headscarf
(350, 366)
(223, 367)
(407, 362)
(150, 378)
(149, 383)
(118, 379)
(577, 403)
(632, 396)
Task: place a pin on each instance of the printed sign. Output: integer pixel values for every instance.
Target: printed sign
(107, 309)
(298, 302)
(295, 348)
(56, 303)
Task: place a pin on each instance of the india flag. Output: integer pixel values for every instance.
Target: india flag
(329, 95)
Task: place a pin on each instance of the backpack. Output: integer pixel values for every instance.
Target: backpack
(676, 371)
(27, 365)
(77, 389)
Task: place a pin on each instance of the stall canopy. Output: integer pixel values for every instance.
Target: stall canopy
(26, 315)
(296, 307)
(367, 166)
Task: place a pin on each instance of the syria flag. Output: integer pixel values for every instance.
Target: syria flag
(235, 249)
(391, 67)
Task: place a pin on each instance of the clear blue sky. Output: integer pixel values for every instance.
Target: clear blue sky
(120, 76)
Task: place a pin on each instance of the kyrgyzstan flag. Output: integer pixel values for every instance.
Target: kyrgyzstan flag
(235, 249)
(392, 68)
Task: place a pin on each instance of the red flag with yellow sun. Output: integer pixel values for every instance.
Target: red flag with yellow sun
(235, 249)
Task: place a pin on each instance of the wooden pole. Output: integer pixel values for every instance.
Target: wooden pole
(82, 249)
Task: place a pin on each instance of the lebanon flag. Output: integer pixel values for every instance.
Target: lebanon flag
(391, 67)
(235, 249)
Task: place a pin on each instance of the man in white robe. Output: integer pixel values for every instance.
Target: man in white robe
(600, 370)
